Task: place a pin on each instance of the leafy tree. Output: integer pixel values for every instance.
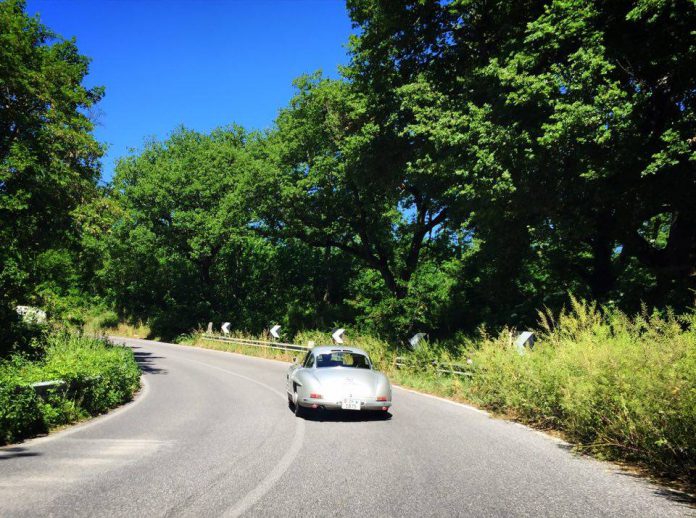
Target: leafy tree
(343, 181)
(48, 156)
(565, 130)
(184, 248)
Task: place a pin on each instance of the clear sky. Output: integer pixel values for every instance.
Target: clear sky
(202, 64)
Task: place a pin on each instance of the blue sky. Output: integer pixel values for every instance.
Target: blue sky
(202, 64)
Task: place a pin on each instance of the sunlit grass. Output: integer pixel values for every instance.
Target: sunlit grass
(108, 323)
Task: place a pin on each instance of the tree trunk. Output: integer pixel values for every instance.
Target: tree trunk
(603, 276)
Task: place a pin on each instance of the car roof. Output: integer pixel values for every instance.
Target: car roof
(325, 349)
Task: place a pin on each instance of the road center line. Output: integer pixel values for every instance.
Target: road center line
(253, 496)
(272, 478)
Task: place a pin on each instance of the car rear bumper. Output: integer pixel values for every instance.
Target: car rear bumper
(336, 405)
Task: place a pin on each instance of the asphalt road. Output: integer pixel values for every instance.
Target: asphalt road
(211, 434)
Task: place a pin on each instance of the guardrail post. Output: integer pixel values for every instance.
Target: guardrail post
(42, 387)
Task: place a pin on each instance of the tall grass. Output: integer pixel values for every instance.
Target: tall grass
(619, 387)
(108, 322)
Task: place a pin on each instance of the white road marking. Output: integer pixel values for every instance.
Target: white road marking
(274, 476)
(92, 457)
(36, 480)
(444, 400)
(253, 496)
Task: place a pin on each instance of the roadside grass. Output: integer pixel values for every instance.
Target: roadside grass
(138, 330)
(95, 323)
(108, 323)
(620, 388)
(260, 352)
(98, 376)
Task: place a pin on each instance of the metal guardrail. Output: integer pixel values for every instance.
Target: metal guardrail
(456, 369)
(282, 346)
(42, 387)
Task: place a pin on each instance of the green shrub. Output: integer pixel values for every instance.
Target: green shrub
(98, 377)
(20, 411)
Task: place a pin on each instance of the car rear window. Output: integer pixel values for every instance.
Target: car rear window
(343, 359)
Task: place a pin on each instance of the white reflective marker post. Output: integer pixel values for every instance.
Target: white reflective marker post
(337, 335)
(526, 339)
(416, 339)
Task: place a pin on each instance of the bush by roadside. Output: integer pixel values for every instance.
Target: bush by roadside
(97, 375)
(621, 388)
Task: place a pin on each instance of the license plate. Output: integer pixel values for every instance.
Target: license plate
(350, 404)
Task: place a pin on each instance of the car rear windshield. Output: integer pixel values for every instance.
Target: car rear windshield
(343, 359)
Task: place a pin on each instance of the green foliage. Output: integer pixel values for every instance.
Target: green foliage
(620, 387)
(48, 160)
(563, 129)
(183, 246)
(473, 163)
(98, 376)
(342, 180)
(20, 408)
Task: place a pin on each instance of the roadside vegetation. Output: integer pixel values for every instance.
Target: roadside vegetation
(96, 376)
(618, 387)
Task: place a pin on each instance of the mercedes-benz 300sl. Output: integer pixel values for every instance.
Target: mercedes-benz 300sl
(337, 378)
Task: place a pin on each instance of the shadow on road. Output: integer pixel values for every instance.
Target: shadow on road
(11, 453)
(675, 495)
(147, 361)
(343, 416)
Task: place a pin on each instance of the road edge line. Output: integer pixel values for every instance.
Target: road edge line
(444, 400)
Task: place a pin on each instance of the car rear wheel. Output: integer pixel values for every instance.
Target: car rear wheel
(300, 411)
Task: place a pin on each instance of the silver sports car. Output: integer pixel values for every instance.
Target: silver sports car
(337, 378)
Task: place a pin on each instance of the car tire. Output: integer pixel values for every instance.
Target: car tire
(300, 411)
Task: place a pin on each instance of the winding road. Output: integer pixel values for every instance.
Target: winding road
(211, 434)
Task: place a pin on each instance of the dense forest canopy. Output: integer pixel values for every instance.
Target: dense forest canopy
(475, 162)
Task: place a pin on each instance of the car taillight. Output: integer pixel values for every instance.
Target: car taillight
(381, 398)
(314, 396)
